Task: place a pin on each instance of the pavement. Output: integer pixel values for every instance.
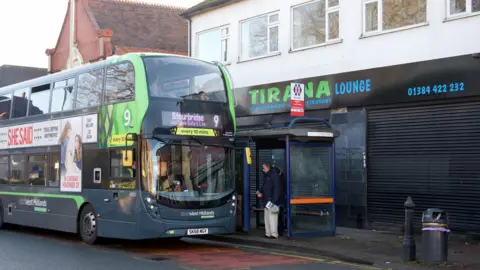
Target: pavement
(366, 247)
(27, 249)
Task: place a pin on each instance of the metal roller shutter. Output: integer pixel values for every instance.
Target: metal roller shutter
(431, 153)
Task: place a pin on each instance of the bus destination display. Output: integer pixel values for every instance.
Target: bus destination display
(191, 120)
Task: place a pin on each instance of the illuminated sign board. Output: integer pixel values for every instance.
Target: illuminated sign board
(194, 120)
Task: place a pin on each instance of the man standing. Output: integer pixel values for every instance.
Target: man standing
(271, 193)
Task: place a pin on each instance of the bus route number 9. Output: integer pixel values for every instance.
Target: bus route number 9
(127, 117)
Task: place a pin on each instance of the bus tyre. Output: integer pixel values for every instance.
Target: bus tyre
(87, 225)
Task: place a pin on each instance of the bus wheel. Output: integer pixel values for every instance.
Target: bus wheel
(87, 225)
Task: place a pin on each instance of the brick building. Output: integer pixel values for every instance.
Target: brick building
(114, 27)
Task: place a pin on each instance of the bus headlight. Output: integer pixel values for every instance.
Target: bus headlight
(151, 205)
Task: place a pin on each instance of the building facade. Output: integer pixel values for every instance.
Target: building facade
(399, 79)
(102, 28)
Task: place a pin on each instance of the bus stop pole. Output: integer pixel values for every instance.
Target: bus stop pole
(287, 172)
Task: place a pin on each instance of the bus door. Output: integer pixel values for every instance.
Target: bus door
(121, 197)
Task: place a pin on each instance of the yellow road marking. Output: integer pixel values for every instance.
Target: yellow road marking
(358, 266)
(298, 257)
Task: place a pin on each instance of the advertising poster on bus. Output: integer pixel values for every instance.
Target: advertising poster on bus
(71, 155)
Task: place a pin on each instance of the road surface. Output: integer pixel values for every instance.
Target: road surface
(26, 248)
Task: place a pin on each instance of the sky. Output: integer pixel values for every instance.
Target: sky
(29, 27)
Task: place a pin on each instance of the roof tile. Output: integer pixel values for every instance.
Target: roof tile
(142, 25)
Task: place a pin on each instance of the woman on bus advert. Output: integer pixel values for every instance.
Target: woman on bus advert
(70, 155)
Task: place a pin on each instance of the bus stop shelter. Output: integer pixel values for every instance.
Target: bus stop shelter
(309, 154)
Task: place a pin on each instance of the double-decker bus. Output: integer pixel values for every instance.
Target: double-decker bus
(136, 146)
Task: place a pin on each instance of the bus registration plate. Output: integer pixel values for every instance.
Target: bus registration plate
(197, 231)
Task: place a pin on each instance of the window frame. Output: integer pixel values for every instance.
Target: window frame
(121, 179)
(74, 89)
(468, 10)
(227, 37)
(380, 19)
(104, 91)
(8, 169)
(328, 10)
(50, 96)
(28, 91)
(77, 81)
(10, 106)
(269, 25)
(44, 162)
(25, 166)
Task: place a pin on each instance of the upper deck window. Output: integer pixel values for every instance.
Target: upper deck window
(20, 103)
(120, 84)
(90, 87)
(5, 102)
(40, 100)
(180, 77)
(63, 95)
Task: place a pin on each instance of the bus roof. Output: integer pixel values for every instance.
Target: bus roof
(70, 73)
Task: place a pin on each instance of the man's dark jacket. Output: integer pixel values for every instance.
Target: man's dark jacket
(272, 188)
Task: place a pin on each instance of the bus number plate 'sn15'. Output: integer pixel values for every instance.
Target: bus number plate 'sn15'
(197, 231)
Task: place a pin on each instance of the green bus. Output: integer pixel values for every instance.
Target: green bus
(135, 146)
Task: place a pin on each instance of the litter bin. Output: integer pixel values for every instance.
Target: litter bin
(435, 236)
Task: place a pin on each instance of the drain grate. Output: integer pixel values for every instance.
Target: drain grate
(157, 258)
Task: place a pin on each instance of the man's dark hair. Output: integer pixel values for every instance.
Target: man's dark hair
(267, 164)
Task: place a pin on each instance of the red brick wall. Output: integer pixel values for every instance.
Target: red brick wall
(86, 37)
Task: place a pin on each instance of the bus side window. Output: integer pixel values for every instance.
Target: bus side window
(120, 83)
(122, 169)
(20, 103)
(54, 168)
(62, 95)
(5, 103)
(89, 89)
(18, 169)
(4, 173)
(40, 100)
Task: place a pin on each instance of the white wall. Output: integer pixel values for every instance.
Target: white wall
(438, 39)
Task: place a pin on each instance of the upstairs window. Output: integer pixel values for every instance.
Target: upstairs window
(384, 15)
(259, 36)
(90, 87)
(462, 7)
(315, 23)
(20, 103)
(63, 95)
(5, 104)
(120, 84)
(213, 45)
(40, 100)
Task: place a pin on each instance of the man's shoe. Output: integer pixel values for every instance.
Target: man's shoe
(268, 237)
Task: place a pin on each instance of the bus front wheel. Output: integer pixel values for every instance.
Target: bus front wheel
(87, 225)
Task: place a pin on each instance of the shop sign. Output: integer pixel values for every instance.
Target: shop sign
(435, 79)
